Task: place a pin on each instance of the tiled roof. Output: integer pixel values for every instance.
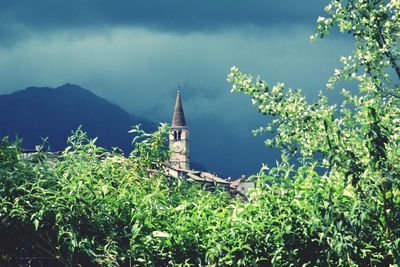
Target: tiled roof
(200, 176)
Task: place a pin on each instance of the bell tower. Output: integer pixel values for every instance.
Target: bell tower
(179, 137)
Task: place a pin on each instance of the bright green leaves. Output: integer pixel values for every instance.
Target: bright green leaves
(76, 208)
(375, 26)
(354, 145)
(299, 124)
(150, 150)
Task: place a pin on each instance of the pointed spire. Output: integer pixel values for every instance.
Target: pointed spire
(179, 117)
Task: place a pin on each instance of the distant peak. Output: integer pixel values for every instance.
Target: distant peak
(67, 88)
(67, 84)
(70, 86)
(73, 88)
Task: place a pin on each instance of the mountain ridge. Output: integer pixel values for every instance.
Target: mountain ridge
(36, 112)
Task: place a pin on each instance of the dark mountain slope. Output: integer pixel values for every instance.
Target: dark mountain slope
(47, 112)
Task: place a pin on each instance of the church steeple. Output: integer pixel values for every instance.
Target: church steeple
(178, 120)
(179, 137)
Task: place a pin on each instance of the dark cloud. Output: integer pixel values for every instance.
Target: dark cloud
(205, 92)
(20, 18)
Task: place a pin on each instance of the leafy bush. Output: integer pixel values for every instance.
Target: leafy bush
(95, 208)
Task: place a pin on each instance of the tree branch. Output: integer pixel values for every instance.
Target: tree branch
(382, 42)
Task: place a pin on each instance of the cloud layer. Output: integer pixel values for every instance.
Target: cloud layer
(172, 15)
(137, 54)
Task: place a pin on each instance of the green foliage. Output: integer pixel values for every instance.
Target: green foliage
(150, 151)
(355, 146)
(91, 207)
(375, 27)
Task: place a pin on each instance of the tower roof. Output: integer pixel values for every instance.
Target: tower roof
(178, 120)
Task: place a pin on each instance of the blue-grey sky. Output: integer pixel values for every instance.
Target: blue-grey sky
(136, 53)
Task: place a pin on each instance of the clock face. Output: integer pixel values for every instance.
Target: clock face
(178, 147)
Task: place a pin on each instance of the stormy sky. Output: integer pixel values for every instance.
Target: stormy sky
(136, 54)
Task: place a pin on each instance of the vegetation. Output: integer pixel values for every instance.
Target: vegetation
(356, 145)
(339, 207)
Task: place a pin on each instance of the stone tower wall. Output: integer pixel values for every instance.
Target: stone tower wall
(179, 148)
